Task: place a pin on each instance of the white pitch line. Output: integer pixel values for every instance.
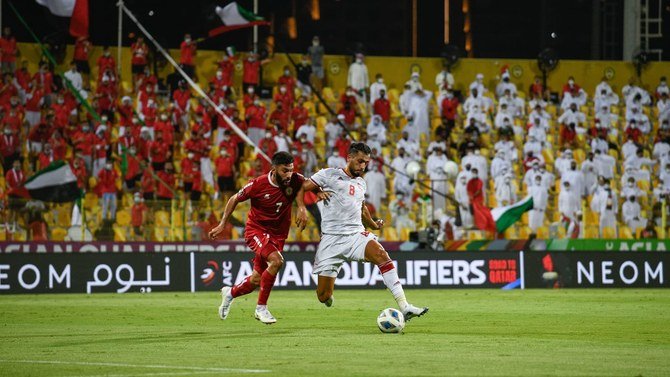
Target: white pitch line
(123, 365)
(147, 374)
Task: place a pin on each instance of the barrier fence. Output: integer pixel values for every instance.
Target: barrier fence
(195, 267)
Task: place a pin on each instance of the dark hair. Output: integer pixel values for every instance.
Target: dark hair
(359, 147)
(282, 158)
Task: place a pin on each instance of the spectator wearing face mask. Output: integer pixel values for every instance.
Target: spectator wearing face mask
(288, 81)
(376, 130)
(382, 107)
(316, 52)
(255, 117)
(399, 208)
(304, 74)
(576, 179)
(188, 51)
(376, 88)
(631, 214)
(438, 177)
(308, 130)
(505, 84)
(358, 78)
(251, 71)
(376, 187)
(444, 80)
(338, 162)
(269, 147)
(401, 181)
(569, 203)
(107, 190)
(540, 199)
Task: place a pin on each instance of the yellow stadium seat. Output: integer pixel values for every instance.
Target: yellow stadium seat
(162, 219)
(625, 233)
(404, 234)
(561, 232)
(123, 218)
(644, 186)
(119, 234)
(591, 232)
(543, 233)
(609, 233)
(57, 234)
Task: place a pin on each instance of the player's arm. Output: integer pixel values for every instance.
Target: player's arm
(301, 217)
(368, 221)
(230, 207)
(310, 185)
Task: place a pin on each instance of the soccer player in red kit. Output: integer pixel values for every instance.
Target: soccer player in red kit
(269, 220)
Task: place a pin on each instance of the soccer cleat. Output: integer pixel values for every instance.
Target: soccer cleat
(330, 301)
(264, 316)
(411, 311)
(224, 308)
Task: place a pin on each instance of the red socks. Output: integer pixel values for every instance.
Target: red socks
(267, 281)
(245, 287)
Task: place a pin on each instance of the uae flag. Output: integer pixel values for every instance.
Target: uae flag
(500, 218)
(55, 184)
(75, 10)
(235, 17)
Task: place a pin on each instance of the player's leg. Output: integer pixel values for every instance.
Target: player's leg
(274, 262)
(375, 253)
(324, 289)
(247, 286)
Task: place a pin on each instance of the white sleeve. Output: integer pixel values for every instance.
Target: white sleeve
(322, 178)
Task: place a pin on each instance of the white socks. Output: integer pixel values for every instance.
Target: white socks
(392, 282)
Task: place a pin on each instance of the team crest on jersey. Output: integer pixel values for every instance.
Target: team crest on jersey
(289, 191)
(267, 196)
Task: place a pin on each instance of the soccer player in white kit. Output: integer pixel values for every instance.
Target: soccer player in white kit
(344, 217)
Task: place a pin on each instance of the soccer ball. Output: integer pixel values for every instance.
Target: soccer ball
(451, 169)
(391, 321)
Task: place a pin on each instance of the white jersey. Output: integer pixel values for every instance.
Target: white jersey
(342, 213)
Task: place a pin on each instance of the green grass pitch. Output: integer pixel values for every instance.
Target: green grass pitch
(466, 332)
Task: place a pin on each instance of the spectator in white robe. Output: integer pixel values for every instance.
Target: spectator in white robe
(569, 202)
(404, 100)
(605, 164)
(505, 191)
(438, 177)
(540, 200)
(588, 168)
(505, 84)
(358, 78)
(419, 112)
(630, 189)
(461, 196)
(609, 208)
(663, 107)
(562, 163)
(376, 188)
(399, 208)
(631, 214)
(336, 161)
(637, 162)
(401, 182)
(576, 179)
(410, 146)
(376, 130)
(376, 87)
(414, 82)
(498, 164)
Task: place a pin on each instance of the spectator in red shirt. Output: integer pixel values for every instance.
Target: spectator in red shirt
(133, 169)
(8, 51)
(251, 72)
(449, 107)
(226, 174)
(342, 144)
(382, 107)
(46, 157)
(285, 97)
(44, 78)
(536, 88)
(34, 103)
(288, 81)
(165, 184)
(101, 147)
(138, 217)
(83, 141)
(196, 188)
(299, 114)
(107, 190)
(255, 115)
(280, 117)
(269, 147)
(82, 48)
(188, 52)
(349, 113)
(40, 134)
(227, 66)
(23, 76)
(10, 148)
(139, 60)
(182, 104)
(159, 152)
(106, 63)
(79, 170)
(148, 182)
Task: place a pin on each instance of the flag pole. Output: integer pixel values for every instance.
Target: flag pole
(119, 37)
(256, 28)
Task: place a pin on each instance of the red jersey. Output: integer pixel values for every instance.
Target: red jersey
(81, 49)
(449, 108)
(187, 53)
(228, 69)
(251, 72)
(140, 52)
(137, 214)
(382, 107)
(270, 204)
(8, 49)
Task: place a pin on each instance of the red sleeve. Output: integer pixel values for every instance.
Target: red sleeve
(248, 191)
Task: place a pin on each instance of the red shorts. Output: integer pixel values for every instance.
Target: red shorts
(262, 244)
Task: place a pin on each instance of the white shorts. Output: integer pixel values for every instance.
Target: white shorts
(335, 249)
